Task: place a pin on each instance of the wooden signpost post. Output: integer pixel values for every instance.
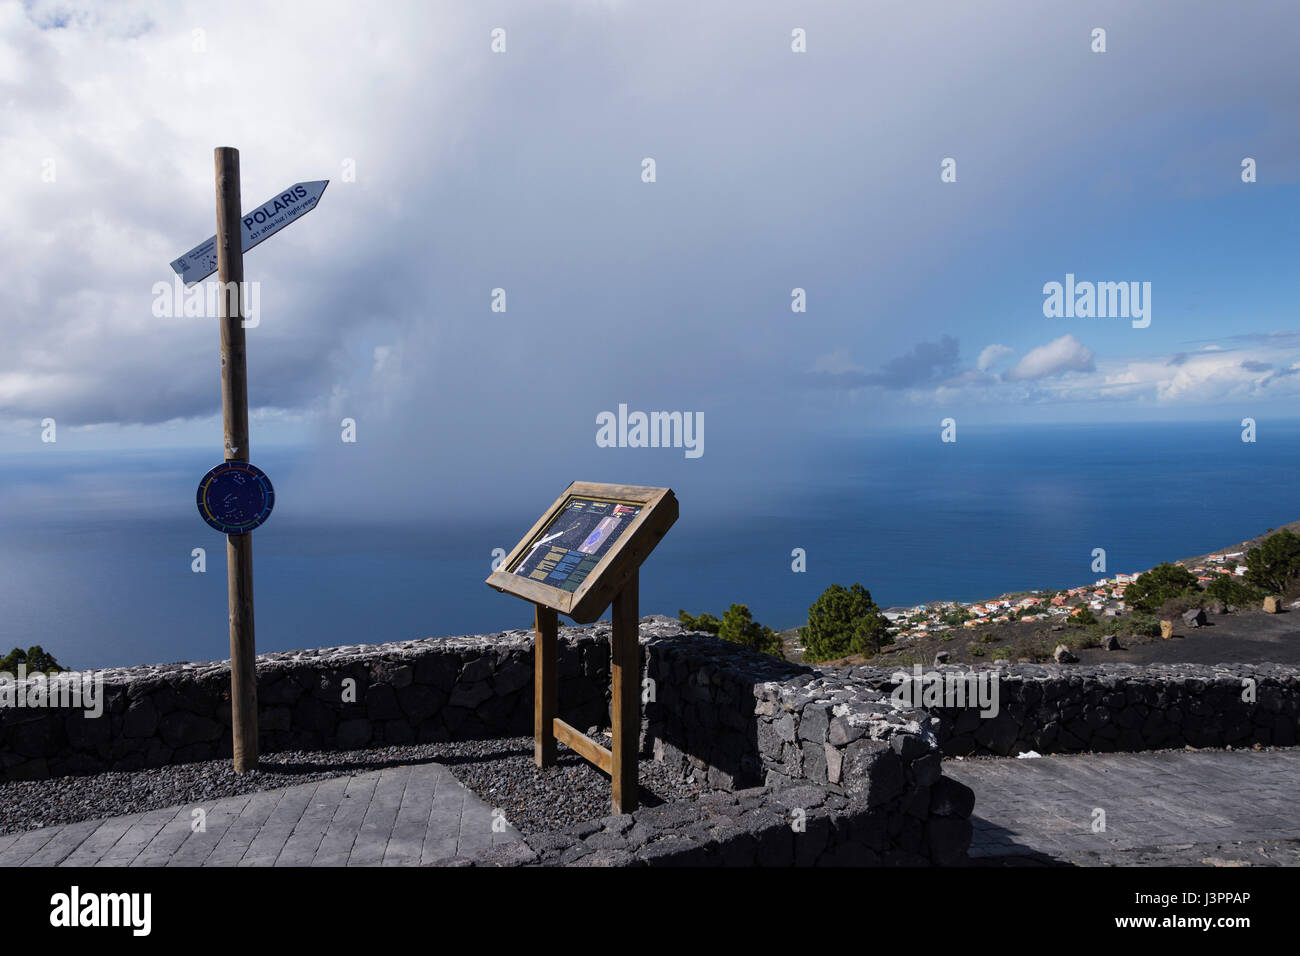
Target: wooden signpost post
(234, 416)
(581, 556)
(236, 498)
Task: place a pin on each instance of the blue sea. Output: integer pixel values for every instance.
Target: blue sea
(96, 565)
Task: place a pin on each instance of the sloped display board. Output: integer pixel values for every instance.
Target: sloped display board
(586, 546)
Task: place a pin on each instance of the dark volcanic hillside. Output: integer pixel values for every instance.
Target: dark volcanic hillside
(1248, 635)
(1293, 527)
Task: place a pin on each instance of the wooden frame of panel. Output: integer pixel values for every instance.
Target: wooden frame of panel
(615, 569)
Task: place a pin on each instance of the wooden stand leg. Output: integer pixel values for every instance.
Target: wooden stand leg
(625, 657)
(544, 686)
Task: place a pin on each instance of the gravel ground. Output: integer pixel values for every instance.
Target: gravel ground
(573, 791)
(501, 771)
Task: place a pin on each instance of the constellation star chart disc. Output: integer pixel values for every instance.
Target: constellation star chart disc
(235, 497)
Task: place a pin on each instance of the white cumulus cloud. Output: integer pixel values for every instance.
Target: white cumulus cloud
(1066, 354)
(992, 355)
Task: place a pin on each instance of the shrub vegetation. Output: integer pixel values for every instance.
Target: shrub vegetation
(844, 621)
(1162, 583)
(36, 659)
(1229, 590)
(739, 627)
(1274, 566)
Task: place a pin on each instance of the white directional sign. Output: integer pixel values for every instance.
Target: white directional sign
(264, 221)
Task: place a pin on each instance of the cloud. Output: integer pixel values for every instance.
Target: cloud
(1065, 372)
(992, 355)
(523, 171)
(1208, 377)
(1066, 354)
(926, 363)
(1282, 338)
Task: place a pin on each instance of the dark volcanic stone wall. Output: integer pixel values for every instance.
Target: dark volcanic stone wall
(1120, 707)
(706, 695)
(743, 719)
(347, 697)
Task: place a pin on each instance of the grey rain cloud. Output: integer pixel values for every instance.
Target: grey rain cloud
(925, 364)
(522, 171)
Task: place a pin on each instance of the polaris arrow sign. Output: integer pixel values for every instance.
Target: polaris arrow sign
(264, 221)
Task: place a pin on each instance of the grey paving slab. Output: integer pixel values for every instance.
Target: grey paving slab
(92, 849)
(380, 817)
(443, 835)
(406, 845)
(398, 816)
(62, 843)
(206, 831)
(300, 848)
(137, 837)
(269, 841)
(341, 831)
(25, 846)
(167, 841)
(1044, 806)
(238, 837)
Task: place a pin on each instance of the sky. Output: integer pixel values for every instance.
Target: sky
(456, 169)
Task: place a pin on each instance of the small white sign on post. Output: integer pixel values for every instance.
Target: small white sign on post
(263, 222)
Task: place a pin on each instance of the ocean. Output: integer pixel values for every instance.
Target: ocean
(96, 547)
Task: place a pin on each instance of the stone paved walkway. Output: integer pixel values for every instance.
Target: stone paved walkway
(399, 816)
(1180, 807)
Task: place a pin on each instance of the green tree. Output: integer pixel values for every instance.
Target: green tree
(1085, 616)
(844, 621)
(956, 617)
(1162, 583)
(1275, 565)
(739, 626)
(38, 661)
(705, 622)
(1229, 590)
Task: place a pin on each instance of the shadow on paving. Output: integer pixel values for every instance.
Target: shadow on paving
(1156, 808)
(997, 846)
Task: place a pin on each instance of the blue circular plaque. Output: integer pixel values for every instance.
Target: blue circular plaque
(235, 497)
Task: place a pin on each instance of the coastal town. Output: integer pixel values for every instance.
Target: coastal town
(1104, 598)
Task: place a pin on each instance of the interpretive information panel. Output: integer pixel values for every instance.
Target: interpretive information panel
(574, 542)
